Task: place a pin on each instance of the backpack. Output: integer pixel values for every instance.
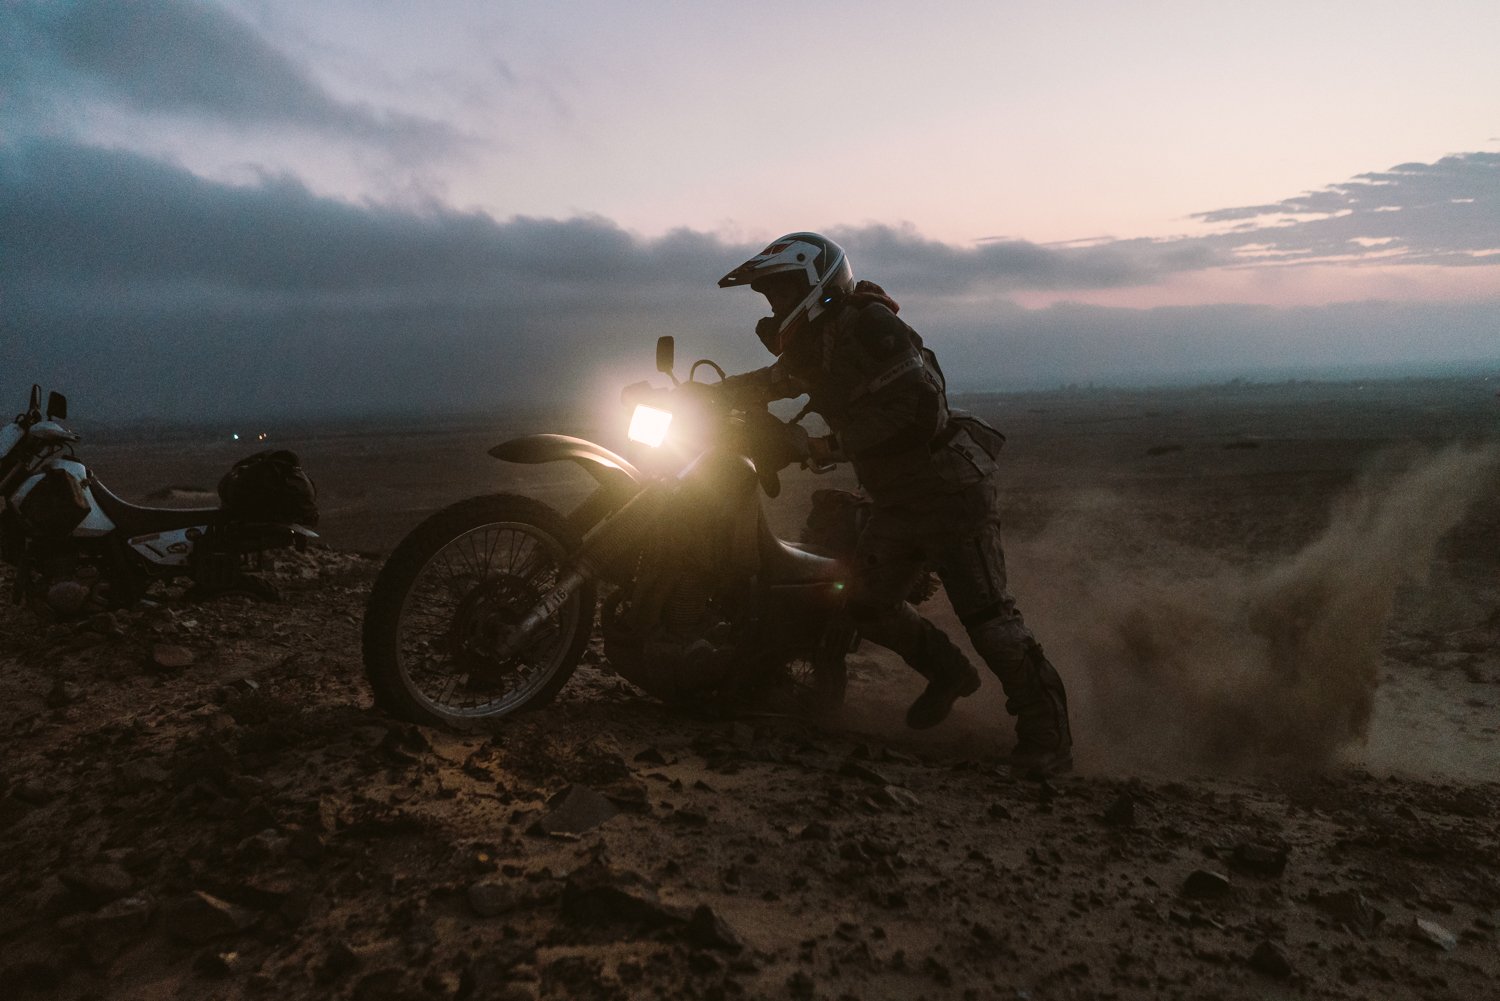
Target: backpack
(269, 487)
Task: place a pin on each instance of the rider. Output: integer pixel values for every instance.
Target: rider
(929, 471)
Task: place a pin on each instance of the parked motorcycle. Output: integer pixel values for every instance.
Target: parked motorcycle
(486, 607)
(76, 547)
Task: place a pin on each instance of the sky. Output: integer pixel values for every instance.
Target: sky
(263, 206)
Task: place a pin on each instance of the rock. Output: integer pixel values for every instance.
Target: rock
(597, 894)
(111, 929)
(494, 974)
(1433, 934)
(200, 918)
(855, 770)
(629, 795)
(237, 689)
(171, 657)
(386, 984)
(816, 831)
(404, 742)
(67, 597)
(218, 964)
(573, 811)
(896, 796)
(1120, 813)
(135, 774)
(63, 693)
(490, 899)
(283, 895)
(707, 930)
(1349, 909)
(688, 818)
(801, 985)
(100, 883)
(1258, 859)
(13, 811)
(48, 900)
(999, 811)
(36, 791)
(340, 961)
(265, 846)
(1204, 884)
(651, 756)
(1270, 960)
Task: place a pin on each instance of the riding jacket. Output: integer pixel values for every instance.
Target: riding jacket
(881, 391)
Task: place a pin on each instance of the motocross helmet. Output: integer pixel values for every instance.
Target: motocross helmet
(818, 261)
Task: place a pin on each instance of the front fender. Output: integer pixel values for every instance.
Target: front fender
(610, 470)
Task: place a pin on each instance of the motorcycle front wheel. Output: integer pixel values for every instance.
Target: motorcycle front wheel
(448, 598)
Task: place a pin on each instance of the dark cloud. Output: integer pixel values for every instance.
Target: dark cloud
(158, 291)
(1000, 265)
(1445, 213)
(190, 59)
(143, 289)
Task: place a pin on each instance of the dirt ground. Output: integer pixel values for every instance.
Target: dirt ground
(1277, 609)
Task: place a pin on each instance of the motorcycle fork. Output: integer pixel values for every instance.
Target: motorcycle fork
(606, 546)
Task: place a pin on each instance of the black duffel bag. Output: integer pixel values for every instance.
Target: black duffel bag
(269, 487)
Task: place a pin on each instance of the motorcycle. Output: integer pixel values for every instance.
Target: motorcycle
(76, 547)
(486, 608)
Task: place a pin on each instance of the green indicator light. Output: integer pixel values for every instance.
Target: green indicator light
(839, 586)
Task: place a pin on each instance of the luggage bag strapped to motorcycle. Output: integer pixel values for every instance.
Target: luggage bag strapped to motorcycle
(269, 487)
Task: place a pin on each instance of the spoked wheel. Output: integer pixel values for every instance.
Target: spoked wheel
(448, 599)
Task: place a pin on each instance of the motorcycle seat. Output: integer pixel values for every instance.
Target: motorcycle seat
(133, 519)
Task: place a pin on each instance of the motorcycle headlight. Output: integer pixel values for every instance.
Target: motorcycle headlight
(648, 425)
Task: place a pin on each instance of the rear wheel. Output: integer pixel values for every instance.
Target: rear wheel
(449, 597)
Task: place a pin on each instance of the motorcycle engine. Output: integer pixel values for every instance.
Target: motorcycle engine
(681, 651)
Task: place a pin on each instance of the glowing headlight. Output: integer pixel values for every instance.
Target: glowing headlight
(649, 425)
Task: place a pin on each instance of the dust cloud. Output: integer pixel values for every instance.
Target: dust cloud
(1181, 662)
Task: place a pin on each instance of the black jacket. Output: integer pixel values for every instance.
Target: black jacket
(868, 374)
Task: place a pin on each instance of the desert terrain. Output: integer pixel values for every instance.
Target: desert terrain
(1277, 608)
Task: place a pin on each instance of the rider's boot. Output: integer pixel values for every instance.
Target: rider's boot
(949, 676)
(1035, 696)
(928, 651)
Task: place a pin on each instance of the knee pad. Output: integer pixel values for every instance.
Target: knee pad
(1004, 642)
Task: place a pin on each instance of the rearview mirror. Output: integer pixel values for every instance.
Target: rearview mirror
(666, 354)
(57, 406)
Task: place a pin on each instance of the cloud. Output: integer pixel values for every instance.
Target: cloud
(141, 288)
(1445, 213)
(174, 57)
(160, 291)
(1001, 265)
(89, 216)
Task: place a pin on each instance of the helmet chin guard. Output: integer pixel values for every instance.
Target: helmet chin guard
(821, 261)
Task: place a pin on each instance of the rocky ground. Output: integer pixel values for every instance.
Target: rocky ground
(199, 802)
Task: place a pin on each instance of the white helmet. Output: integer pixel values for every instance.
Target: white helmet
(817, 259)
